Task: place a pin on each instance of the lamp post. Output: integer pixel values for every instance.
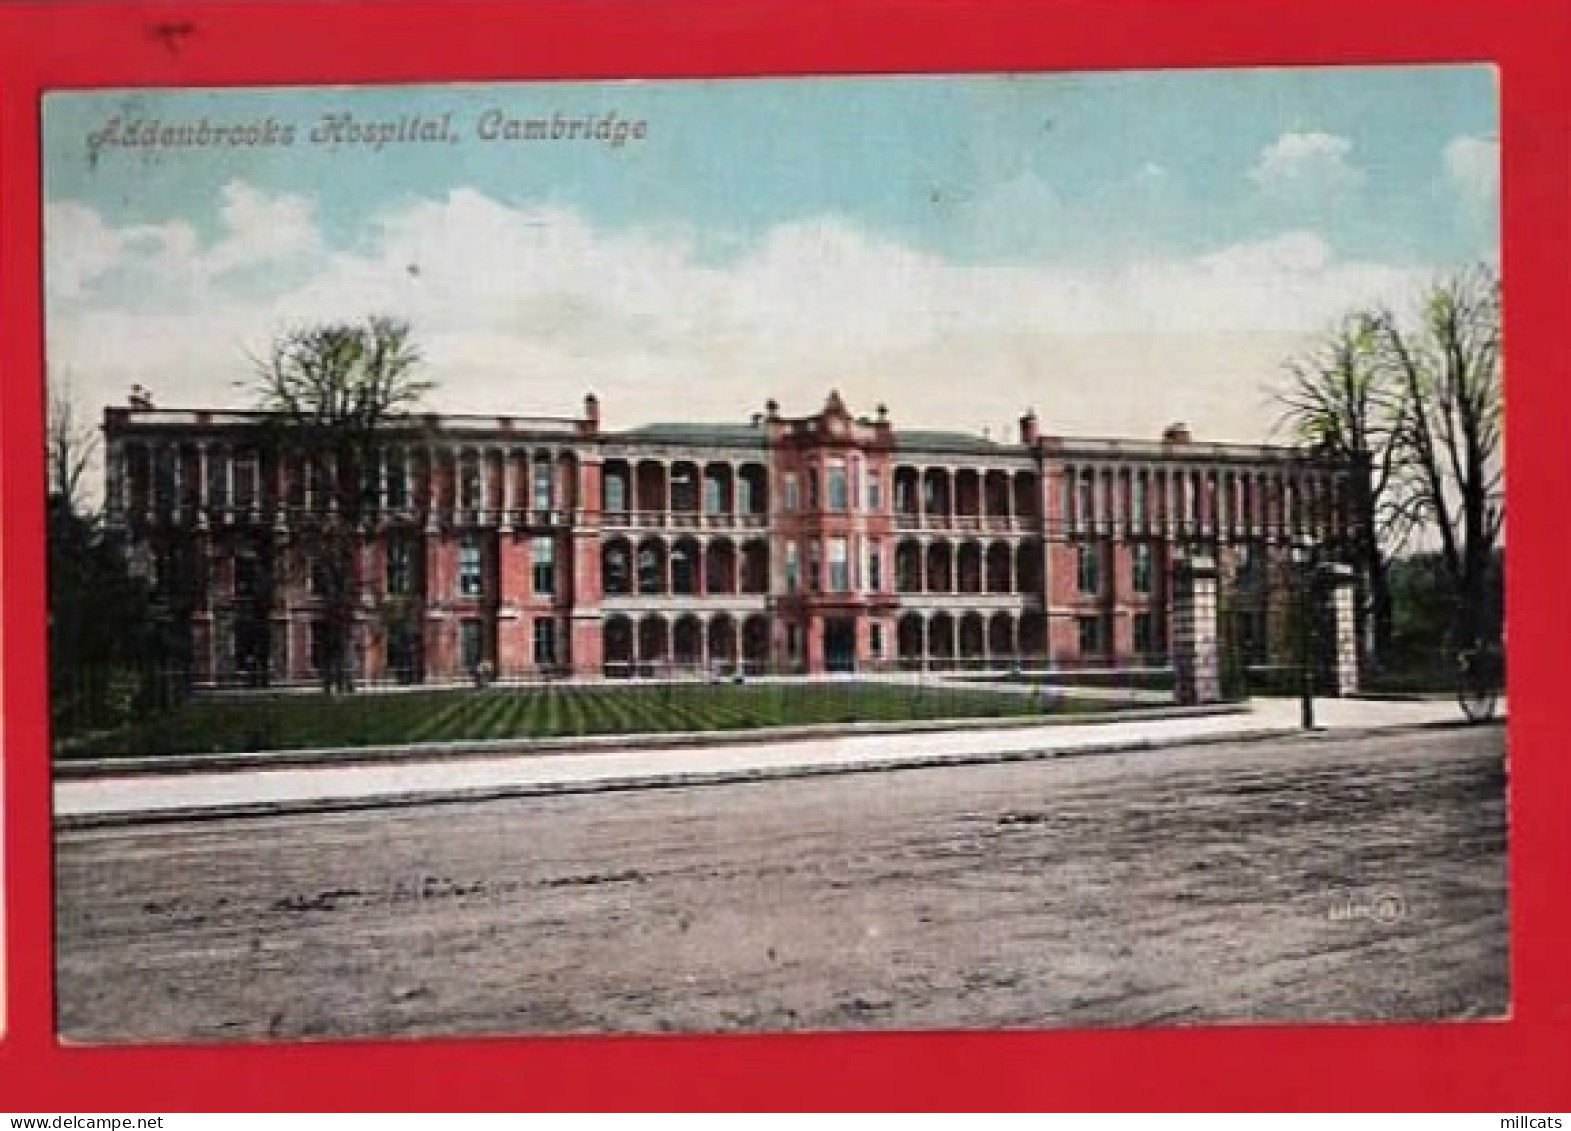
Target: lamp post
(1304, 554)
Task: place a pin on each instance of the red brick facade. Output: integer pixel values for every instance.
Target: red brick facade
(523, 548)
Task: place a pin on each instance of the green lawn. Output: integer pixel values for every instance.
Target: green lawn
(288, 722)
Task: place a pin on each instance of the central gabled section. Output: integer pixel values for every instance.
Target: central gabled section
(833, 533)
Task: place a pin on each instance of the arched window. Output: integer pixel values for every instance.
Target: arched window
(618, 570)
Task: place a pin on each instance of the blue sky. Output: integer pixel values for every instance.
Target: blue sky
(767, 237)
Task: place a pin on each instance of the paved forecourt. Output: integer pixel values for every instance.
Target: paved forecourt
(172, 796)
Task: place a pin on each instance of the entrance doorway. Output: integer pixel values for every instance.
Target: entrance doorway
(253, 650)
(840, 644)
(405, 652)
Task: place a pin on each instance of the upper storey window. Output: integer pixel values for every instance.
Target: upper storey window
(166, 479)
(246, 477)
(1088, 568)
(839, 566)
(469, 484)
(615, 493)
(400, 567)
(1141, 567)
(471, 576)
(396, 471)
(839, 486)
(684, 488)
(544, 568)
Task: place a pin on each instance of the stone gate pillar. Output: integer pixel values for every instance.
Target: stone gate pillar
(1337, 590)
(1197, 668)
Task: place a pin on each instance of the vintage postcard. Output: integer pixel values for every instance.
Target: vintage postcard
(941, 552)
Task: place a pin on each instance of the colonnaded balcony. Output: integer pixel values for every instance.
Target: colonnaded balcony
(948, 640)
(202, 484)
(1226, 502)
(967, 499)
(947, 568)
(685, 495)
(693, 601)
(970, 603)
(689, 565)
(655, 643)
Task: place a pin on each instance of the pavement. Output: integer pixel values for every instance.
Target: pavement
(143, 797)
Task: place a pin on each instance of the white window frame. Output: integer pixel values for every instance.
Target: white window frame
(837, 556)
(471, 567)
(542, 557)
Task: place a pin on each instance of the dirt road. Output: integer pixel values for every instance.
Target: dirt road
(1325, 878)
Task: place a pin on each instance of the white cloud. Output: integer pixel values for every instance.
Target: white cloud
(1473, 168)
(256, 230)
(82, 248)
(1306, 168)
(522, 309)
(261, 229)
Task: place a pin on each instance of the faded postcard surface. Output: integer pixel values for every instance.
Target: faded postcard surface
(883, 553)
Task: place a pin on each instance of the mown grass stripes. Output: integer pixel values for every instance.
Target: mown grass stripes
(284, 721)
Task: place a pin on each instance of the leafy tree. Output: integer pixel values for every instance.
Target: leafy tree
(109, 651)
(332, 389)
(1425, 615)
(1447, 363)
(1412, 400)
(1343, 404)
(104, 645)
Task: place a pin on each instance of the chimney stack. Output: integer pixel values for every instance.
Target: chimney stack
(591, 414)
(1176, 434)
(1029, 428)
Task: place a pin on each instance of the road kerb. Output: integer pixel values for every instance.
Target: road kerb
(678, 779)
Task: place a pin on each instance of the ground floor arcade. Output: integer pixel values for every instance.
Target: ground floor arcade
(239, 647)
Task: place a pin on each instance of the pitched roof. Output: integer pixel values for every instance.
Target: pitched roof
(927, 440)
(746, 435)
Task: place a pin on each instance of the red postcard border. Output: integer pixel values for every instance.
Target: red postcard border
(1514, 1066)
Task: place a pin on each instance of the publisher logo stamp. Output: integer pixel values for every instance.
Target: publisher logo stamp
(1385, 907)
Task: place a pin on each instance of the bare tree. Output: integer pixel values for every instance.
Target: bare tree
(1343, 404)
(1447, 363)
(332, 389)
(71, 448)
